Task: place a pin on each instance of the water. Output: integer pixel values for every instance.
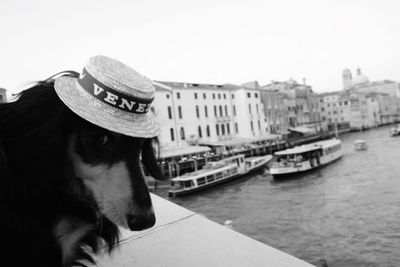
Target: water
(347, 213)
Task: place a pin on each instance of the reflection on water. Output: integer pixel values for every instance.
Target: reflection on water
(347, 212)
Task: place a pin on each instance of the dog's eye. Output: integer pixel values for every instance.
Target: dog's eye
(99, 140)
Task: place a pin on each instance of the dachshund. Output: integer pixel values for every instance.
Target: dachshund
(67, 184)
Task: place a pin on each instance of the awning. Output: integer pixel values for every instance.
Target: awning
(174, 151)
(303, 130)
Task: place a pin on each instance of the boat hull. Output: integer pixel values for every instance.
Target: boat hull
(178, 193)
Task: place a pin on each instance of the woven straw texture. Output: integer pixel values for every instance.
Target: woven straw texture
(119, 77)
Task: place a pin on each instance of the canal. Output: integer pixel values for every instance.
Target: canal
(347, 213)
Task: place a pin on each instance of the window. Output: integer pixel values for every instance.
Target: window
(182, 133)
(251, 125)
(195, 95)
(172, 134)
(213, 96)
(220, 111)
(248, 95)
(197, 111)
(233, 96)
(204, 96)
(178, 95)
(257, 108)
(219, 96)
(167, 96)
(169, 112)
(259, 126)
(205, 111)
(236, 127)
(201, 180)
(223, 129)
(226, 110)
(217, 129)
(250, 108)
(224, 96)
(199, 130)
(255, 95)
(234, 110)
(228, 129)
(208, 131)
(180, 112)
(215, 111)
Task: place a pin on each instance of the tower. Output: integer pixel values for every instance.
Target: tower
(347, 78)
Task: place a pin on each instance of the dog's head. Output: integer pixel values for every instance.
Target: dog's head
(108, 165)
(51, 150)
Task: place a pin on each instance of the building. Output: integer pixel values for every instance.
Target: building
(360, 83)
(300, 102)
(275, 111)
(228, 118)
(193, 113)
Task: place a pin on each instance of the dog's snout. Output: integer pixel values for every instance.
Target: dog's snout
(138, 222)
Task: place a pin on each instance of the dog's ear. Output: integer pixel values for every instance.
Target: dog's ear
(150, 161)
(3, 160)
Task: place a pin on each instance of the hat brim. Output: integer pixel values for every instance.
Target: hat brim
(101, 114)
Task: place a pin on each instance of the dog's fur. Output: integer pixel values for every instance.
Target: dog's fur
(65, 184)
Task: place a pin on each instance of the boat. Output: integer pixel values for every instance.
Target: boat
(217, 172)
(306, 157)
(360, 144)
(395, 131)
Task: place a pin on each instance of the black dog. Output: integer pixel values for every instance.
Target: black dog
(65, 184)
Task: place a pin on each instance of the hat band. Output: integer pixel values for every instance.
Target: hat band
(112, 97)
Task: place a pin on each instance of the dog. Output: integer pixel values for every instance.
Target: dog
(66, 184)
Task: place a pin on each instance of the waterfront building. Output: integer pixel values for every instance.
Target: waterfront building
(275, 111)
(3, 96)
(356, 110)
(384, 87)
(383, 108)
(360, 83)
(191, 114)
(300, 102)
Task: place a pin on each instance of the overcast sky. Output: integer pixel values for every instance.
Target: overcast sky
(205, 41)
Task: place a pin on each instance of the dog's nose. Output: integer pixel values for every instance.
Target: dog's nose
(138, 222)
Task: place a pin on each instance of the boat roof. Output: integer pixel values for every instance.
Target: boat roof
(269, 157)
(360, 141)
(174, 151)
(201, 173)
(309, 147)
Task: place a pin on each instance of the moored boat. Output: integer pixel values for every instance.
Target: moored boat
(216, 172)
(306, 157)
(360, 144)
(395, 131)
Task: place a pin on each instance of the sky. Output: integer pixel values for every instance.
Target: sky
(205, 41)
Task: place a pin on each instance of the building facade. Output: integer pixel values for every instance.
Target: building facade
(189, 113)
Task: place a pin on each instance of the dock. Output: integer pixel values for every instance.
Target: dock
(182, 238)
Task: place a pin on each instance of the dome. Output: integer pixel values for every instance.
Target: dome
(359, 79)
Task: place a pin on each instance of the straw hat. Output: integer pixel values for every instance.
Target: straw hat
(111, 95)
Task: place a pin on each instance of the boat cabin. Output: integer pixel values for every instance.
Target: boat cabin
(298, 155)
(312, 153)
